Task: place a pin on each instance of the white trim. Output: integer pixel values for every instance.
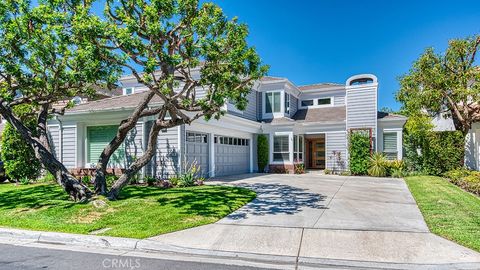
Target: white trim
(290, 147)
(273, 114)
(251, 152)
(211, 154)
(315, 103)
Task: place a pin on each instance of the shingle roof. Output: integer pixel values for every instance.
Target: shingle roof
(271, 78)
(384, 115)
(118, 102)
(318, 86)
(330, 114)
(279, 121)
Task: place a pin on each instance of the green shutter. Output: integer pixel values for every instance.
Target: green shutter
(98, 137)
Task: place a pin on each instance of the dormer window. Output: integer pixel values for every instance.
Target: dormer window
(128, 90)
(361, 81)
(273, 102)
(324, 101)
(307, 103)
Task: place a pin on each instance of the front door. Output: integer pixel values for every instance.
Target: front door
(316, 149)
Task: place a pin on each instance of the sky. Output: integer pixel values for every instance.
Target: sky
(311, 41)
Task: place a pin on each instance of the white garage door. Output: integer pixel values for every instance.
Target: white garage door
(197, 151)
(232, 155)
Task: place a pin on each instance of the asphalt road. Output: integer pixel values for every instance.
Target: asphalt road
(29, 258)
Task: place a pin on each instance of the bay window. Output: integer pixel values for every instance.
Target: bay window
(273, 102)
(287, 103)
(281, 148)
(298, 148)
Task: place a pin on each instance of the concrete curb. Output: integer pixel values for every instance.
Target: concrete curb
(134, 245)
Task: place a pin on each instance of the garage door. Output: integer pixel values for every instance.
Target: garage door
(232, 156)
(197, 151)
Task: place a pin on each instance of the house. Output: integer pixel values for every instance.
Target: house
(306, 124)
(472, 140)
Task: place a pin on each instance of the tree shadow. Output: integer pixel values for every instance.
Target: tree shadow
(34, 197)
(274, 199)
(206, 201)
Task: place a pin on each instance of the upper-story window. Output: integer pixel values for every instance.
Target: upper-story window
(324, 101)
(361, 81)
(128, 90)
(306, 103)
(273, 102)
(319, 102)
(287, 103)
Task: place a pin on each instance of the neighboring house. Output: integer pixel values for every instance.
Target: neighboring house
(472, 140)
(307, 124)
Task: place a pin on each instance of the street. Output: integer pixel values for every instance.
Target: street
(29, 258)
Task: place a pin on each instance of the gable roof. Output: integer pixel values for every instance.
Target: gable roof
(117, 102)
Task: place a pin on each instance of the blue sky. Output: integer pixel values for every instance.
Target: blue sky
(328, 41)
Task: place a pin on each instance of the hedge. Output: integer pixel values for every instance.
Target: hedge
(262, 152)
(436, 152)
(359, 150)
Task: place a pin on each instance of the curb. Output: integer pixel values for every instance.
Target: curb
(135, 245)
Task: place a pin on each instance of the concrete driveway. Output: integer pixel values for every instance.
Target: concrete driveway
(329, 220)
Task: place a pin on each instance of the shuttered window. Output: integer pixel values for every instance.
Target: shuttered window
(390, 145)
(98, 137)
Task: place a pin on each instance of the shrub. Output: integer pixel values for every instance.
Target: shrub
(190, 176)
(327, 171)
(48, 178)
(86, 180)
(299, 168)
(110, 179)
(359, 149)
(150, 180)
(434, 153)
(377, 165)
(18, 157)
(468, 180)
(262, 152)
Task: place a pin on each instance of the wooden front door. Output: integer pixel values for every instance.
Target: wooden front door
(317, 153)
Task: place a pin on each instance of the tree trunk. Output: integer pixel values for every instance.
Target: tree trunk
(76, 190)
(126, 125)
(138, 164)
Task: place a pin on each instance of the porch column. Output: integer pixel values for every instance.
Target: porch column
(211, 153)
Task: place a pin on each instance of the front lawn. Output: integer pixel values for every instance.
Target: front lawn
(448, 210)
(141, 212)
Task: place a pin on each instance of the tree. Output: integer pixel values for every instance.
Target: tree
(176, 48)
(44, 60)
(18, 157)
(445, 85)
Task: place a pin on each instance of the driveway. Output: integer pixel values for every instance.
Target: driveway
(329, 220)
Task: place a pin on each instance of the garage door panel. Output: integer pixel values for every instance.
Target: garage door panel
(197, 151)
(231, 158)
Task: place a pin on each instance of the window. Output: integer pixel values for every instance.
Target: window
(272, 102)
(324, 101)
(281, 148)
(196, 137)
(97, 138)
(306, 103)
(361, 81)
(128, 90)
(287, 103)
(390, 145)
(231, 141)
(298, 148)
(77, 100)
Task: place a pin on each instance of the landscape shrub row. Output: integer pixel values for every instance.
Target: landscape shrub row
(466, 179)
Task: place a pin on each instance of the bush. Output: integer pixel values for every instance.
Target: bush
(468, 180)
(262, 152)
(190, 176)
(434, 153)
(378, 167)
(150, 180)
(18, 157)
(299, 168)
(359, 149)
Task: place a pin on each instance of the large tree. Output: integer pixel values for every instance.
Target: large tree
(446, 85)
(43, 60)
(177, 49)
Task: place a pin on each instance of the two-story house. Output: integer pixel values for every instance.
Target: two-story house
(307, 124)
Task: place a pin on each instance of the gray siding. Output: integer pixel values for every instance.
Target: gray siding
(165, 163)
(293, 105)
(362, 108)
(339, 100)
(250, 111)
(54, 137)
(134, 144)
(259, 105)
(336, 141)
(69, 145)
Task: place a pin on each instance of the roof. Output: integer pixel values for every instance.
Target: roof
(390, 116)
(319, 86)
(329, 114)
(279, 121)
(117, 102)
(271, 78)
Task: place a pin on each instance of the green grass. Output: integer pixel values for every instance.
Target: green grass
(141, 212)
(448, 210)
